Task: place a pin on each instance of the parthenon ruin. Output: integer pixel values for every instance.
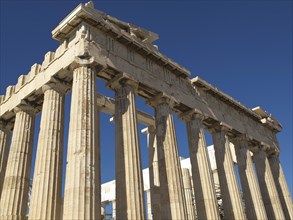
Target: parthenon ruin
(96, 46)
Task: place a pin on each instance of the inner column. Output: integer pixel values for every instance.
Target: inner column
(82, 195)
(204, 191)
(153, 172)
(251, 192)
(232, 201)
(129, 182)
(173, 205)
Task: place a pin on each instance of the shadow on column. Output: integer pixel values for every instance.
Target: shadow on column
(164, 190)
(261, 174)
(154, 184)
(224, 187)
(276, 168)
(201, 209)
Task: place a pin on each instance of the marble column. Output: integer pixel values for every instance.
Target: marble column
(149, 205)
(47, 183)
(204, 191)
(254, 205)
(129, 182)
(267, 186)
(4, 150)
(281, 185)
(172, 199)
(188, 194)
(82, 195)
(154, 173)
(230, 192)
(14, 198)
(113, 209)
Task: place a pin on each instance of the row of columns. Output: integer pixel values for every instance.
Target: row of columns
(277, 203)
(82, 196)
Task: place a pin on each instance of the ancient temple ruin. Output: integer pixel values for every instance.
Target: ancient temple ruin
(96, 46)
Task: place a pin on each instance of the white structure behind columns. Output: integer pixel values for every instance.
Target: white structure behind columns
(129, 182)
(14, 198)
(230, 192)
(4, 150)
(267, 186)
(254, 205)
(204, 189)
(172, 199)
(282, 187)
(82, 184)
(45, 200)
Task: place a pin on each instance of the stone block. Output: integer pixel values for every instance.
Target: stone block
(61, 49)
(2, 97)
(48, 59)
(9, 91)
(35, 69)
(20, 83)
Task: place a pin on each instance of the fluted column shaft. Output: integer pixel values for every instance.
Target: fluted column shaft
(232, 201)
(113, 209)
(188, 194)
(172, 199)
(154, 174)
(149, 205)
(204, 191)
(82, 196)
(251, 192)
(14, 199)
(267, 186)
(129, 182)
(47, 183)
(4, 150)
(282, 187)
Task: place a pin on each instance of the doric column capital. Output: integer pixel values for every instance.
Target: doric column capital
(149, 130)
(240, 138)
(275, 156)
(85, 61)
(241, 142)
(58, 85)
(273, 152)
(2, 124)
(261, 148)
(123, 79)
(264, 147)
(26, 107)
(162, 98)
(5, 125)
(220, 126)
(193, 114)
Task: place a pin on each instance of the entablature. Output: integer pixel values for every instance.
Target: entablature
(139, 39)
(90, 32)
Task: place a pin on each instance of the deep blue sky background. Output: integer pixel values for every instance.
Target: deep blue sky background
(243, 48)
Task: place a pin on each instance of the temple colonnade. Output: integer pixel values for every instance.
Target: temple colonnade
(123, 55)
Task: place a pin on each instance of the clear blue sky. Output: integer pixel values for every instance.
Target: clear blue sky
(243, 48)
